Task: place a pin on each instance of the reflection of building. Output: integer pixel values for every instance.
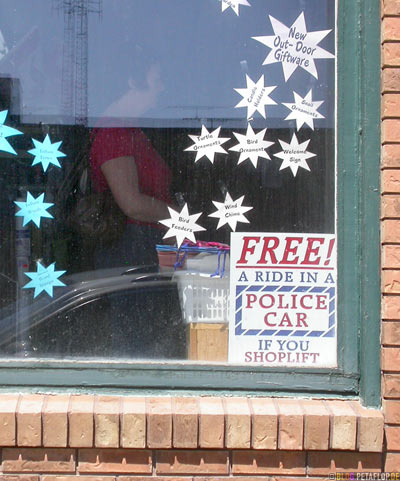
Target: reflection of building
(75, 57)
(10, 95)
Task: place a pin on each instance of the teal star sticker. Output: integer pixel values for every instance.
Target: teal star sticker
(45, 279)
(33, 209)
(46, 153)
(5, 132)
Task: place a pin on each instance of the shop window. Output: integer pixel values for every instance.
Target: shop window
(168, 185)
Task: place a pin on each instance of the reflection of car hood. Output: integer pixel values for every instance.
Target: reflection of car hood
(80, 288)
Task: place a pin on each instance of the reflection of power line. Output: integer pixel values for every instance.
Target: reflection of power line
(75, 56)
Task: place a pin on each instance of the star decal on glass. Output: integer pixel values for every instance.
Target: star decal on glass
(255, 96)
(6, 131)
(294, 46)
(251, 146)
(230, 212)
(294, 155)
(207, 144)
(33, 209)
(234, 4)
(45, 279)
(46, 153)
(304, 110)
(181, 225)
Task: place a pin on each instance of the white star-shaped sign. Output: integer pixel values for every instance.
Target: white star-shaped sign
(208, 144)
(230, 212)
(304, 110)
(234, 4)
(255, 96)
(294, 155)
(294, 46)
(5, 132)
(251, 146)
(182, 225)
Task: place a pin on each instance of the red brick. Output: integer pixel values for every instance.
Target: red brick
(290, 425)
(390, 359)
(390, 185)
(392, 434)
(391, 256)
(55, 421)
(268, 462)
(391, 156)
(391, 80)
(115, 461)
(391, 333)
(192, 462)
(185, 423)
(316, 425)
(237, 423)
(133, 423)
(391, 28)
(211, 423)
(390, 105)
(323, 463)
(343, 425)
(38, 460)
(390, 281)
(391, 231)
(391, 7)
(391, 54)
(265, 424)
(391, 307)
(391, 129)
(391, 410)
(391, 203)
(8, 408)
(29, 420)
(392, 462)
(78, 478)
(154, 478)
(391, 385)
(81, 421)
(19, 477)
(159, 423)
(370, 429)
(106, 421)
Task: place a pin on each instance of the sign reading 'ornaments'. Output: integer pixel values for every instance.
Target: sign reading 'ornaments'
(45, 279)
(46, 153)
(230, 212)
(294, 46)
(207, 144)
(251, 146)
(294, 155)
(182, 225)
(234, 4)
(33, 209)
(255, 96)
(304, 110)
(5, 132)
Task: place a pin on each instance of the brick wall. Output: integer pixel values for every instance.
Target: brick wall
(391, 229)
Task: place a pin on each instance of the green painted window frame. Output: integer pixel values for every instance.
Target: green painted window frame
(358, 374)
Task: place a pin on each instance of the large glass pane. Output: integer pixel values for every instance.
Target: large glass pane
(136, 136)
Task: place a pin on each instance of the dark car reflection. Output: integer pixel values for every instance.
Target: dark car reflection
(115, 313)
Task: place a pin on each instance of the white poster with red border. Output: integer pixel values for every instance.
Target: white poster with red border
(283, 300)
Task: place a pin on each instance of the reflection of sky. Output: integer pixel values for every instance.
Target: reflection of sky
(202, 53)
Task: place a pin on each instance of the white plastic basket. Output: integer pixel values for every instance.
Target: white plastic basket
(203, 298)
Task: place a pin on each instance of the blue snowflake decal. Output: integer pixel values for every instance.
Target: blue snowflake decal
(45, 279)
(46, 153)
(5, 132)
(33, 209)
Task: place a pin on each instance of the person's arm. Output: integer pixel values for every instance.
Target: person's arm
(121, 176)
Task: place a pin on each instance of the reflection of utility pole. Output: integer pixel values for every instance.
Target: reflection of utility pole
(75, 56)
